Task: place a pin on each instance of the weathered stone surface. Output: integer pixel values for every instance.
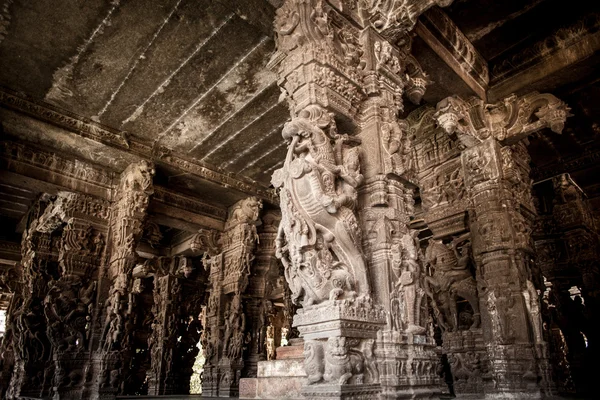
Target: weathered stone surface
(225, 177)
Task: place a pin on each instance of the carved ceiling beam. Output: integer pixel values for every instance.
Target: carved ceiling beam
(590, 158)
(457, 51)
(49, 172)
(535, 65)
(473, 121)
(126, 146)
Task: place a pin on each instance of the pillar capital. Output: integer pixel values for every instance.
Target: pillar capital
(508, 121)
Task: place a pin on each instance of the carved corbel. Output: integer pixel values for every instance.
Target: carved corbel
(395, 16)
(207, 240)
(508, 121)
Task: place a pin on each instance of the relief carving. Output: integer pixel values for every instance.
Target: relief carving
(319, 239)
(451, 279)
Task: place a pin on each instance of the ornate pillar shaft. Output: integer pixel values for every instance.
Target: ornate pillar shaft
(163, 340)
(116, 297)
(68, 305)
(346, 197)
(227, 315)
(34, 368)
(501, 213)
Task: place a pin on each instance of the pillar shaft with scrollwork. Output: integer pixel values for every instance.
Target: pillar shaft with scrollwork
(116, 298)
(495, 170)
(346, 191)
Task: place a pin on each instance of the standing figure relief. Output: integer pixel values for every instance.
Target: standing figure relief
(450, 280)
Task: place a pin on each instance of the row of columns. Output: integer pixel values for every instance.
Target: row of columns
(369, 289)
(89, 318)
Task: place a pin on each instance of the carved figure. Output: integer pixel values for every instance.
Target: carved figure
(451, 278)
(313, 361)
(319, 238)
(338, 368)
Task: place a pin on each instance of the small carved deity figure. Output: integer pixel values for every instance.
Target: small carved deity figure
(396, 144)
(407, 293)
(499, 308)
(533, 309)
(565, 190)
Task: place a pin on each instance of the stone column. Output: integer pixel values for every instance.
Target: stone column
(496, 173)
(11, 281)
(265, 269)
(128, 211)
(34, 368)
(163, 339)
(567, 247)
(68, 305)
(346, 197)
(224, 336)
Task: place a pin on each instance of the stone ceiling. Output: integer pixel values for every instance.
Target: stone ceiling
(190, 77)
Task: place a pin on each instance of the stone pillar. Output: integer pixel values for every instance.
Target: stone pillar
(225, 332)
(163, 339)
(501, 214)
(128, 211)
(346, 197)
(265, 269)
(34, 368)
(68, 305)
(567, 247)
(450, 280)
(175, 325)
(11, 282)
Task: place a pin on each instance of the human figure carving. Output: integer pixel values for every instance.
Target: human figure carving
(451, 278)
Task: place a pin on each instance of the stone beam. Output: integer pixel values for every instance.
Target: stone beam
(185, 212)
(578, 162)
(454, 48)
(126, 148)
(49, 172)
(557, 52)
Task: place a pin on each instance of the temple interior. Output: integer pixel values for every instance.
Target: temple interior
(299, 199)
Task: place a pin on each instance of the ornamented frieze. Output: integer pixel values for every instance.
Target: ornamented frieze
(117, 140)
(76, 169)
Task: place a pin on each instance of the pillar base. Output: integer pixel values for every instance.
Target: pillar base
(407, 366)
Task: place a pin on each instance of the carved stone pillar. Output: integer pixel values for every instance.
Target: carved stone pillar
(567, 248)
(501, 214)
(68, 305)
(450, 280)
(163, 340)
(11, 282)
(264, 271)
(346, 196)
(34, 368)
(224, 336)
(112, 350)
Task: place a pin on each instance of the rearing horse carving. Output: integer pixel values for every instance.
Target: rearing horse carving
(319, 238)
